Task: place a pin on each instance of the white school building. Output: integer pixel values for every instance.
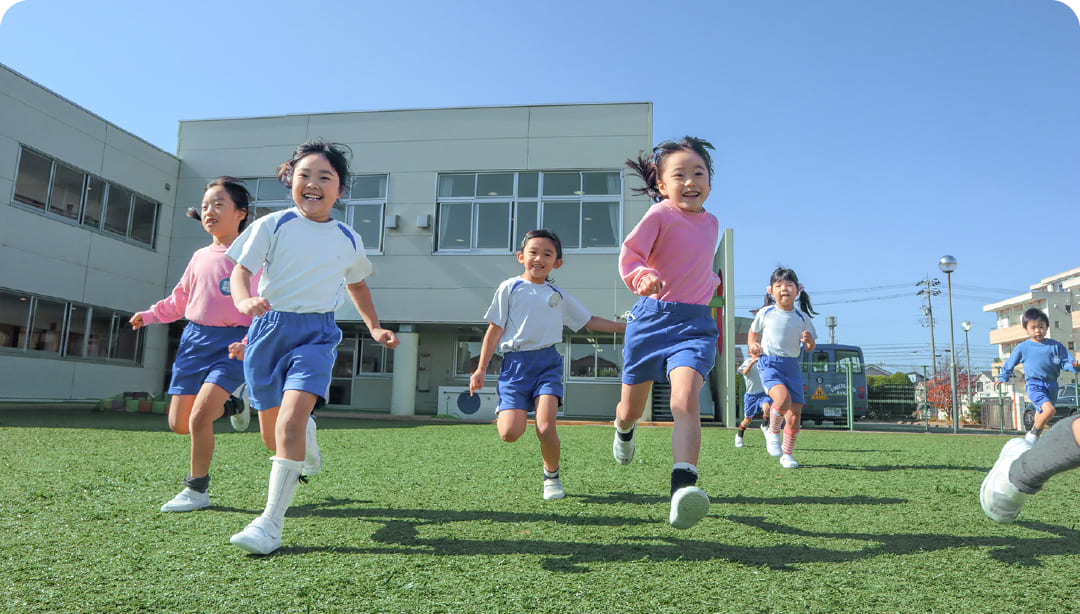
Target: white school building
(94, 228)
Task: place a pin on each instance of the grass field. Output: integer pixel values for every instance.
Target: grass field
(417, 517)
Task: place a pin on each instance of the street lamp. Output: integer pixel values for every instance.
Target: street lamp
(947, 264)
(967, 352)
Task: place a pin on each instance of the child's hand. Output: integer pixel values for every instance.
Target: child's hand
(997, 384)
(236, 350)
(755, 350)
(649, 284)
(385, 337)
(806, 339)
(136, 322)
(254, 306)
(476, 381)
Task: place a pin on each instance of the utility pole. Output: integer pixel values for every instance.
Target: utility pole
(830, 321)
(930, 289)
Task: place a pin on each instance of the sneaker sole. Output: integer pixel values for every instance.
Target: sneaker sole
(987, 489)
(690, 509)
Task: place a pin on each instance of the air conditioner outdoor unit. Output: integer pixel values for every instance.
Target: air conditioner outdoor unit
(455, 402)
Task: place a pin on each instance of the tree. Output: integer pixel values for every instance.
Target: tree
(939, 388)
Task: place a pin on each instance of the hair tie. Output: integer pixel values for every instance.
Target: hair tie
(802, 288)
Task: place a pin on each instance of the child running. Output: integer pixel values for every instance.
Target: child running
(777, 335)
(755, 399)
(1043, 361)
(670, 334)
(525, 321)
(203, 374)
(310, 262)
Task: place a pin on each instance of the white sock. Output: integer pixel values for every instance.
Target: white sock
(688, 466)
(632, 426)
(284, 476)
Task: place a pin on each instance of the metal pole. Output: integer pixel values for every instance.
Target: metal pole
(952, 361)
(850, 398)
(926, 400)
(967, 352)
(1001, 406)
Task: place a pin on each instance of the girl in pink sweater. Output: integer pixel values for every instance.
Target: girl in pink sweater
(670, 334)
(203, 375)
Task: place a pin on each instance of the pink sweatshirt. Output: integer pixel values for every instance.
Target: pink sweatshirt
(203, 296)
(678, 247)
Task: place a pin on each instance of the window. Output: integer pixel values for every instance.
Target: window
(69, 194)
(362, 205)
(848, 359)
(467, 357)
(819, 362)
(491, 212)
(42, 325)
(358, 356)
(596, 356)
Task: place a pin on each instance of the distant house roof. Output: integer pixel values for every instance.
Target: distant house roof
(874, 370)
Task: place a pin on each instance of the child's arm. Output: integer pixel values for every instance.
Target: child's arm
(240, 285)
(169, 309)
(753, 344)
(487, 350)
(748, 364)
(236, 350)
(808, 341)
(361, 297)
(605, 326)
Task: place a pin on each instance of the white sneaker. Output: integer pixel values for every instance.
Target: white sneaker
(787, 462)
(738, 440)
(259, 537)
(553, 488)
(765, 430)
(1031, 438)
(312, 456)
(999, 498)
(773, 443)
(241, 419)
(187, 501)
(624, 450)
(689, 504)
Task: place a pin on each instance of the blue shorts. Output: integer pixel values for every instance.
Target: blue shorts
(661, 336)
(527, 375)
(782, 370)
(1039, 392)
(752, 403)
(290, 351)
(203, 358)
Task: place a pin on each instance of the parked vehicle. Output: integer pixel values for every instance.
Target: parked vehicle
(1066, 406)
(825, 382)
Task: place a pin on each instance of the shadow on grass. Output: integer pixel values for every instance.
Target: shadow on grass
(878, 468)
(614, 498)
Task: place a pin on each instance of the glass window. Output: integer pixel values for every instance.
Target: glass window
(562, 184)
(600, 224)
(143, 218)
(66, 194)
(455, 226)
(124, 344)
(32, 181)
(846, 359)
(468, 357)
(76, 336)
(97, 344)
(340, 392)
(493, 225)
(495, 184)
(346, 354)
(95, 192)
(365, 220)
(596, 356)
(48, 322)
(453, 186)
(527, 185)
(564, 219)
(368, 186)
(820, 362)
(270, 188)
(601, 183)
(526, 219)
(374, 358)
(117, 209)
(14, 319)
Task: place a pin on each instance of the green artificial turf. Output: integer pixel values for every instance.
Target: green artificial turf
(419, 517)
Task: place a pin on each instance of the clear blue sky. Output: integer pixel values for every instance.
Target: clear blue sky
(858, 141)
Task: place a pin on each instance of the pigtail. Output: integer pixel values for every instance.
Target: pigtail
(769, 300)
(804, 304)
(194, 214)
(645, 168)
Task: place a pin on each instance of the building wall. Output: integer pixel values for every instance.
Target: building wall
(50, 257)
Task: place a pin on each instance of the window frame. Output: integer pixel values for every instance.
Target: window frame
(616, 340)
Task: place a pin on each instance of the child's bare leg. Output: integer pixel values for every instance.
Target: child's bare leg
(291, 424)
(1043, 417)
(631, 404)
(180, 413)
(209, 406)
(511, 424)
(686, 385)
(267, 425)
(793, 417)
(547, 409)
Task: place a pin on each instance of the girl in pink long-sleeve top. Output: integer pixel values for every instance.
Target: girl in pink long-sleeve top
(670, 334)
(203, 375)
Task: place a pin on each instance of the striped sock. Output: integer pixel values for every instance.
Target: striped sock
(775, 419)
(789, 441)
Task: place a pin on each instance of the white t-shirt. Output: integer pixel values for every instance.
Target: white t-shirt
(532, 316)
(780, 330)
(306, 264)
(752, 378)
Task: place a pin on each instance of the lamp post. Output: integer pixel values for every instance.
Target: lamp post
(947, 264)
(966, 326)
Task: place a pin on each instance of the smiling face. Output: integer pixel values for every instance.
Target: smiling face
(1036, 330)
(784, 292)
(220, 216)
(540, 257)
(684, 180)
(315, 187)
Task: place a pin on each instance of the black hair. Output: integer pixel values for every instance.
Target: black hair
(782, 274)
(1034, 313)
(238, 192)
(336, 154)
(544, 233)
(650, 166)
